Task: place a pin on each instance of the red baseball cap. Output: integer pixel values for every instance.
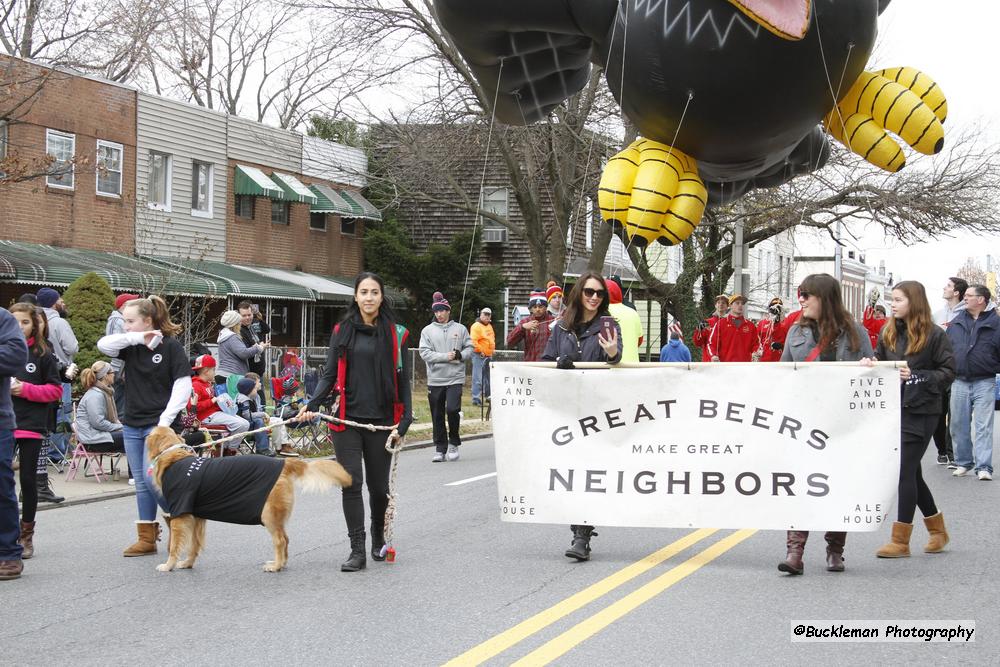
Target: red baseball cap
(203, 361)
(123, 299)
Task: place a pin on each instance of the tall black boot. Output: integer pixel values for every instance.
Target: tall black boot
(357, 560)
(580, 548)
(378, 541)
(45, 492)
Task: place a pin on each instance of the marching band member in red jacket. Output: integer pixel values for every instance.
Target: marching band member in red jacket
(734, 338)
(704, 329)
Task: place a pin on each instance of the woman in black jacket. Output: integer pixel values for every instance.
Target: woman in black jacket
(368, 366)
(577, 337)
(35, 390)
(910, 335)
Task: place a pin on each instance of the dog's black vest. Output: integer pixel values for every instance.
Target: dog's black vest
(232, 489)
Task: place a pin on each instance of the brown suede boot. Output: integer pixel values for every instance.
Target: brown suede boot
(835, 542)
(149, 535)
(939, 534)
(899, 544)
(796, 544)
(11, 569)
(27, 535)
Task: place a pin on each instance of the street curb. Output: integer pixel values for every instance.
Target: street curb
(114, 495)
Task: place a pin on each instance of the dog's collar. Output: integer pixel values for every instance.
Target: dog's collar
(180, 445)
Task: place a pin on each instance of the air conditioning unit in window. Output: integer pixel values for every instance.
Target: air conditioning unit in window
(494, 235)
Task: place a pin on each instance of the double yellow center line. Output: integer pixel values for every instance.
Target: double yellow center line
(590, 626)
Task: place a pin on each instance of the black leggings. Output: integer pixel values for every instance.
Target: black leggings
(29, 449)
(913, 492)
(354, 446)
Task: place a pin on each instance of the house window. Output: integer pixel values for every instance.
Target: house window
(348, 226)
(244, 206)
(159, 180)
(201, 189)
(279, 320)
(109, 168)
(317, 221)
(279, 212)
(493, 200)
(61, 147)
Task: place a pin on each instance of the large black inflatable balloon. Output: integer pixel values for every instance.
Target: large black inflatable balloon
(739, 87)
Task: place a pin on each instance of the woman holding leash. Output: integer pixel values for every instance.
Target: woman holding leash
(910, 335)
(157, 389)
(578, 336)
(35, 390)
(368, 365)
(825, 331)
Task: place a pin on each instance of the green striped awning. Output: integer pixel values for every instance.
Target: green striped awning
(294, 189)
(36, 264)
(252, 181)
(239, 281)
(343, 203)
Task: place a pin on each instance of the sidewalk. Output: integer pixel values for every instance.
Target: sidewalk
(82, 490)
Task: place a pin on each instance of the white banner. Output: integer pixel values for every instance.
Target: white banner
(765, 445)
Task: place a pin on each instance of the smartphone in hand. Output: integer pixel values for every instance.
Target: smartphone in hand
(607, 326)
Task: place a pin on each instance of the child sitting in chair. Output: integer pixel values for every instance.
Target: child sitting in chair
(248, 407)
(209, 412)
(286, 405)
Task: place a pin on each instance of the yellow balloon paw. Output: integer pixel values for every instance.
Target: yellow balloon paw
(900, 100)
(654, 192)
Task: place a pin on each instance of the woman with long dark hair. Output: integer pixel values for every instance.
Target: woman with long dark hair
(368, 365)
(35, 391)
(825, 331)
(577, 337)
(910, 335)
(157, 389)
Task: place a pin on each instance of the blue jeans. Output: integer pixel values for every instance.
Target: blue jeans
(261, 441)
(10, 529)
(146, 497)
(480, 377)
(972, 420)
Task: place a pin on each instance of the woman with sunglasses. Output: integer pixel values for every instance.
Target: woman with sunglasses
(910, 335)
(577, 337)
(825, 331)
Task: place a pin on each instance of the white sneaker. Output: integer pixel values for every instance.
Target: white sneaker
(960, 472)
(452, 453)
(131, 481)
(438, 457)
(985, 476)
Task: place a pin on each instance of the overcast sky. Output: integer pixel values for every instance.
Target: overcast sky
(958, 45)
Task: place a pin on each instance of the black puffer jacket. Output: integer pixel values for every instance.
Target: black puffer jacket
(567, 345)
(932, 369)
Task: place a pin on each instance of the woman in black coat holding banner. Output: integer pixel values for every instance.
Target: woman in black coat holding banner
(577, 337)
(825, 331)
(911, 336)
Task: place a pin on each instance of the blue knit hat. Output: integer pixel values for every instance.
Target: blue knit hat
(245, 386)
(47, 297)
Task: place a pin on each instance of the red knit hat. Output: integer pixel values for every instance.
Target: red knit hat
(122, 299)
(552, 290)
(614, 292)
(537, 297)
(438, 302)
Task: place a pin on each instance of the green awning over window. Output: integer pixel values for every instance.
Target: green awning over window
(252, 181)
(344, 203)
(294, 189)
(239, 281)
(362, 207)
(35, 264)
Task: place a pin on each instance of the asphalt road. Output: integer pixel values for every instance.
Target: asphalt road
(468, 587)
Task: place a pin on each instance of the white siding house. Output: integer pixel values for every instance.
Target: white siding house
(180, 180)
(334, 162)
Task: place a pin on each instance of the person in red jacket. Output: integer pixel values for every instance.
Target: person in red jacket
(704, 330)
(873, 319)
(771, 332)
(207, 403)
(734, 338)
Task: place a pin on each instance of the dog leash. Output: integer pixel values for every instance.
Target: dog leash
(282, 422)
(394, 445)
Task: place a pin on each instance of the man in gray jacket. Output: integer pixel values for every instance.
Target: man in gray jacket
(445, 346)
(64, 346)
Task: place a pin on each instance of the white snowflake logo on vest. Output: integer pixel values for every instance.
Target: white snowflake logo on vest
(157, 358)
(31, 368)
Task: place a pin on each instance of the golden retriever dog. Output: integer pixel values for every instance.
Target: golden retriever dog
(237, 489)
